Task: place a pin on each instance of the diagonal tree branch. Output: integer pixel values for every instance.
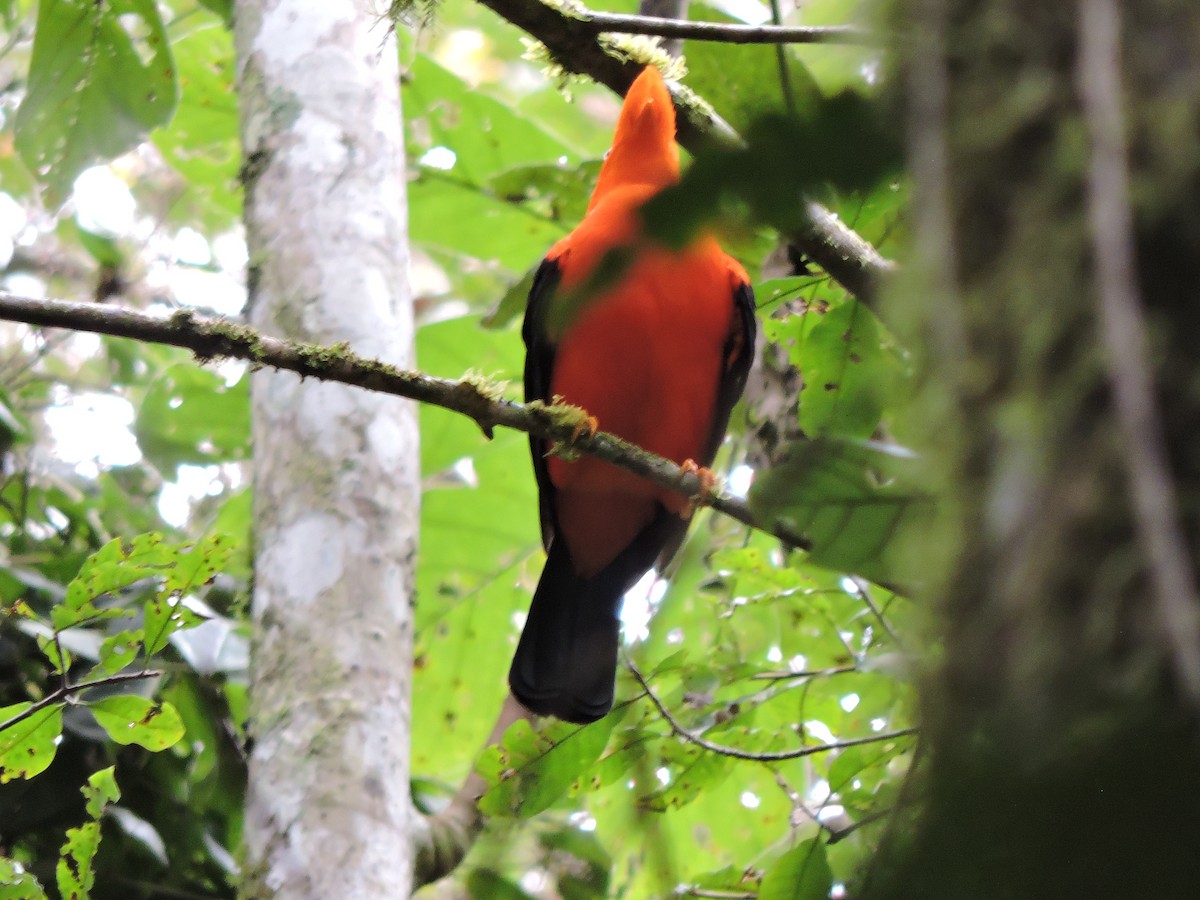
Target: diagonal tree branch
(724, 32)
(476, 398)
(575, 45)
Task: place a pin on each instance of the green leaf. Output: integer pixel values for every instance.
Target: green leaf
(454, 215)
(59, 656)
(90, 96)
(837, 67)
(105, 571)
(119, 650)
(102, 248)
(847, 497)
(850, 369)
(488, 884)
(190, 415)
(110, 569)
(28, 747)
(757, 87)
(196, 566)
(729, 879)
(486, 136)
(16, 883)
(100, 791)
(233, 520)
(201, 142)
(696, 771)
(223, 8)
(74, 872)
(530, 770)
(164, 614)
(841, 143)
(559, 192)
(802, 873)
(450, 349)
(130, 719)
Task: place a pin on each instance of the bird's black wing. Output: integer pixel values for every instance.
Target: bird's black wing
(539, 369)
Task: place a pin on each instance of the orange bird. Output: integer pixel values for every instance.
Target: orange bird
(658, 353)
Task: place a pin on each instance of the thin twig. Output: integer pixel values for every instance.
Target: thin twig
(1123, 329)
(61, 694)
(723, 32)
(717, 895)
(869, 819)
(864, 592)
(666, 9)
(781, 60)
(738, 753)
(218, 338)
(807, 673)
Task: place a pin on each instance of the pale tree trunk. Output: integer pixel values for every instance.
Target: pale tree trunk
(1055, 299)
(328, 811)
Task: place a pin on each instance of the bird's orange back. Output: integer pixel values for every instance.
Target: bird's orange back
(656, 348)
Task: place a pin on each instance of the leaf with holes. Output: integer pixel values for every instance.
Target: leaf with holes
(17, 884)
(28, 746)
(850, 369)
(119, 650)
(107, 570)
(130, 719)
(74, 872)
(530, 769)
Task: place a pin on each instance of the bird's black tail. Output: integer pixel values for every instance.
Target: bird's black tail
(566, 661)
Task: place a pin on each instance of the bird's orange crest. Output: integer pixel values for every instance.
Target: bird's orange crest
(643, 149)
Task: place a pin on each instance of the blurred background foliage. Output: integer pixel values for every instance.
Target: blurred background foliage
(751, 646)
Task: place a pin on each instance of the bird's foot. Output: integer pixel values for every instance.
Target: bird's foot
(564, 414)
(590, 424)
(708, 481)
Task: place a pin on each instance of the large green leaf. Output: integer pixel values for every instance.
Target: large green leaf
(451, 349)
(850, 370)
(477, 565)
(486, 136)
(836, 67)
(190, 415)
(530, 770)
(800, 874)
(452, 214)
(103, 572)
(201, 142)
(758, 86)
(101, 78)
(846, 497)
(478, 534)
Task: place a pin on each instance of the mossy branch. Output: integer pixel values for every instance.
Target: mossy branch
(211, 338)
